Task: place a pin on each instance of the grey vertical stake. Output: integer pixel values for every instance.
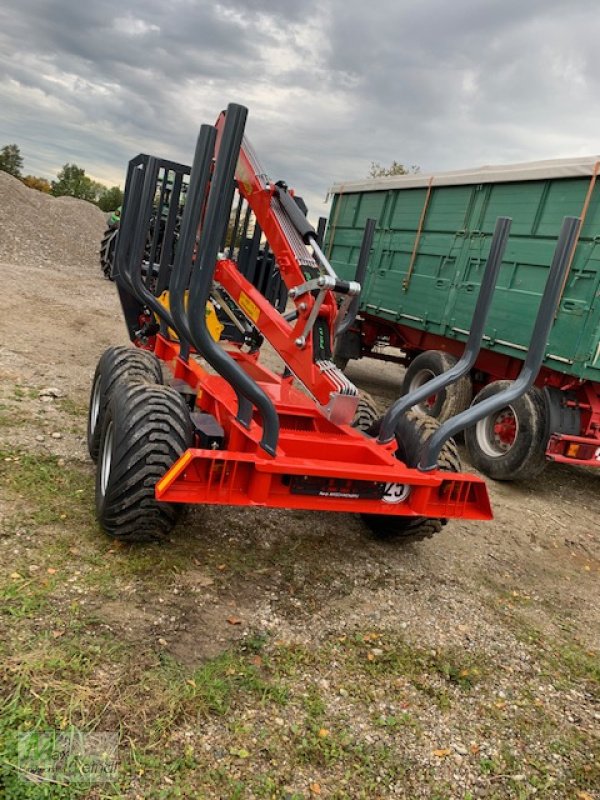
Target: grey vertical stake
(321, 225)
(126, 228)
(234, 229)
(190, 222)
(535, 354)
(473, 345)
(215, 221)
(133, 272)
(168, 245)
(361, 273)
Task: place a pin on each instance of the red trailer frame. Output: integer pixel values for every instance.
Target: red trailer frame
(318, 466)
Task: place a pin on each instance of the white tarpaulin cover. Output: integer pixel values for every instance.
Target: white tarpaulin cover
(507, 173)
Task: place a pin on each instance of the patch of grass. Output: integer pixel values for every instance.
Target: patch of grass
(82, 681)
(567, 662)
(393, 722)
(172, 695)
(9, 418)
(74, 408)
(577, 663)
(149, 560)
(564, 660)
(291, 659)
(20, 597)
(47, 691)
(381, 655)
(55, 492)
(584, 770)
(22, 392)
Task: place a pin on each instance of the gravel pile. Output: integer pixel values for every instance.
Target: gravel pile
(36, 228)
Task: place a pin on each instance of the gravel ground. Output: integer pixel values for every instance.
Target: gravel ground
(271, 653)
(39, 229)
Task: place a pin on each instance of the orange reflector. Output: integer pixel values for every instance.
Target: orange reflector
(572, 450)
(175, 471)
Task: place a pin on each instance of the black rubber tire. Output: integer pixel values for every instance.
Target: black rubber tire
(525, 458)
(366, 414)
(107, 251)
(116, 364)
(451, 400)
(146, 428)
(412, 432)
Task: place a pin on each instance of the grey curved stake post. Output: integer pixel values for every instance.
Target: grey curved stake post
(535, 355)
(361, 272)
(473, 345)
(215, 222)
(130, 255)
(190, 222)
(126, 228)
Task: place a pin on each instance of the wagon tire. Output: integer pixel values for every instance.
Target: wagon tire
(366, 413)
(447, 402)
(412, 432)
(145, 430)
(510, 444)
(116, 364)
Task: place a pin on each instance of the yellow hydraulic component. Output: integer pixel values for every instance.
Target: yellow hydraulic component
(215, 328)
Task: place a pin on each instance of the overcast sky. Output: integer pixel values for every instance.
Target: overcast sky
(330, 85)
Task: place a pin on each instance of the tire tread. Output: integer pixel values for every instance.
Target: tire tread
(456, 397)
(152, 429)
(116, 364)
(413, 431)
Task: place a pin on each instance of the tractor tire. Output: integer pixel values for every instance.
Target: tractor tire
(145, 430)
(107, 251)
(116, 364)
(451, 400)
(412, 433)
(366, 413)
(510, 444)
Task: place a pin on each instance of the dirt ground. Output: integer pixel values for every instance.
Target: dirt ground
(271, 653)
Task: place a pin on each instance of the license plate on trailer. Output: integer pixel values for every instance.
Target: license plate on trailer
(337, 487)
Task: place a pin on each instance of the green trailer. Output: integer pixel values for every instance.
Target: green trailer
(431, 242)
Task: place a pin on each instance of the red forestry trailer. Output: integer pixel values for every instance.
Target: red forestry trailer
(189, 414)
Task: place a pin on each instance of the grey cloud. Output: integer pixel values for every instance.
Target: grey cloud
(330, 86)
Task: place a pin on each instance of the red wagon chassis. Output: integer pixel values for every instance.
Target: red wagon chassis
(318, 465)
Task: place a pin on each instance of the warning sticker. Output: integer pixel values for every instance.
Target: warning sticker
(248, 307)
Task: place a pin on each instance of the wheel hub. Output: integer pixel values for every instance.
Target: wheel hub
(505, 429)
(421, 377)
(497, 433)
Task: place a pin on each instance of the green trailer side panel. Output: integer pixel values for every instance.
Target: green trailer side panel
(450, 259)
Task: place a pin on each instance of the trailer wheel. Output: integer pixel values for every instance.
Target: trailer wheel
(366, 413)
(412, 432)
(510, 444)
(115, 364)
(146, 428)
(107, 251)
(449, 401)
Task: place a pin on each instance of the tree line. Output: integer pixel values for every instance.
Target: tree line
(71, 181)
